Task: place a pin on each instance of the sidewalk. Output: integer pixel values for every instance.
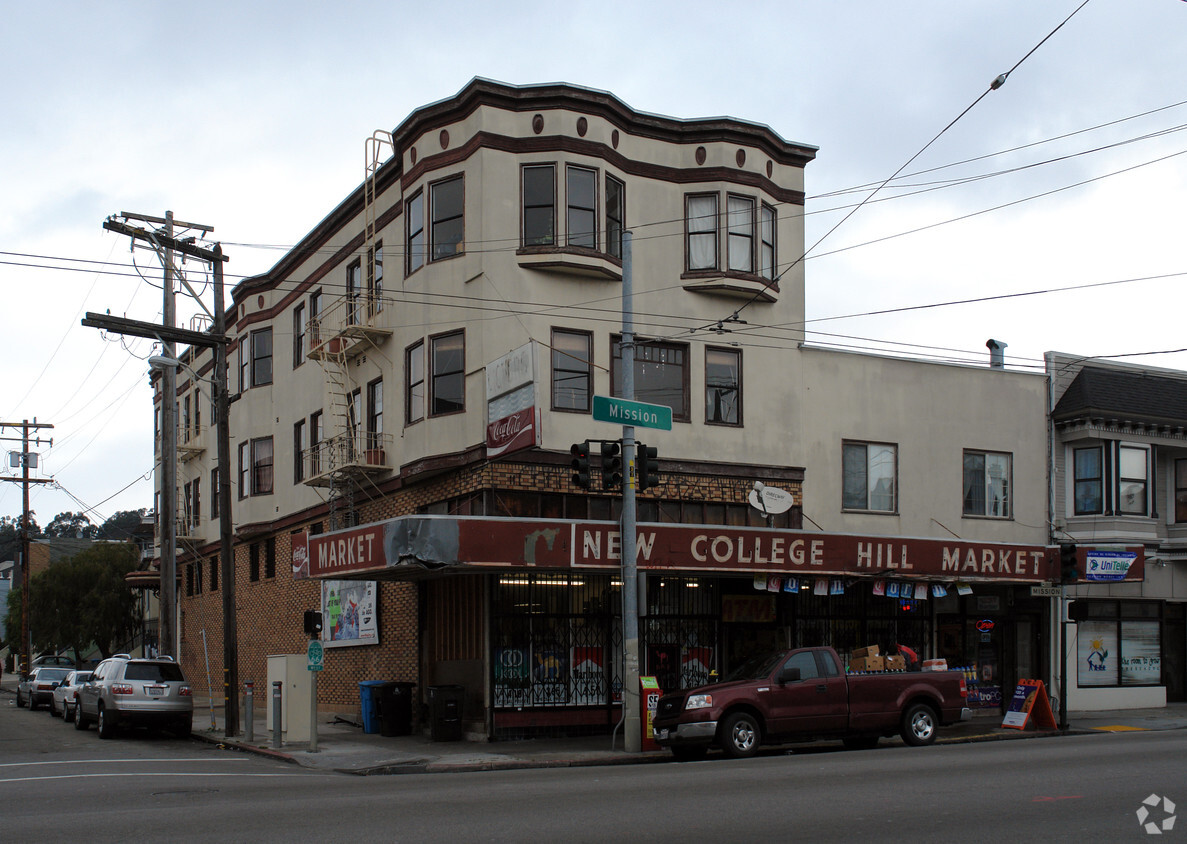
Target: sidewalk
(342, 746)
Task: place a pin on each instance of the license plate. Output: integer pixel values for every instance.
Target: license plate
(155, 691)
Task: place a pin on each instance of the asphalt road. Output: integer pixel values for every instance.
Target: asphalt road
(145, 786)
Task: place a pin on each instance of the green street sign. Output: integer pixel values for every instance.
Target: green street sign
(315, 656)
(624, 412)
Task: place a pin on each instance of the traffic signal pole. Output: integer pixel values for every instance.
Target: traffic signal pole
(632, 731)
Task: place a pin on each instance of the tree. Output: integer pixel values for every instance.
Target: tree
(83, 601)
(122, 525)
(12, 621)
(71, 526)
(10, 535)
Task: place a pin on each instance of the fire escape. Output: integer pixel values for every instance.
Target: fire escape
(348, 455)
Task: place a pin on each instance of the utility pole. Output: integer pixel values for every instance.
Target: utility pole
(26, 458)
(632, 733)
(217, 341)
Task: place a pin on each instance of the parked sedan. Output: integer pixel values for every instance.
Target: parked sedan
(37, 687)
(66, 694)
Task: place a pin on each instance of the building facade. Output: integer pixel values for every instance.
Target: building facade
(1119, 484)
(411, 377)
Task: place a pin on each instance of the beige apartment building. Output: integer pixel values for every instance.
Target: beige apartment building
(412, 374)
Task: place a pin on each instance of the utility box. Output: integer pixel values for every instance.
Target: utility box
(292, 671)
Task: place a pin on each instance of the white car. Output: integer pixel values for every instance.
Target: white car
(66, 695)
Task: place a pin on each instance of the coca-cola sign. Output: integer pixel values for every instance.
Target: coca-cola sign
(518, 431)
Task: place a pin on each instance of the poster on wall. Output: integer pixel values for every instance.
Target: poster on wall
(348, 613)
(513, 680)
(1096, 653)
(589, 676)
(1141, 653)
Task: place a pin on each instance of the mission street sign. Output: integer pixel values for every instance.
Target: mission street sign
(626, 412)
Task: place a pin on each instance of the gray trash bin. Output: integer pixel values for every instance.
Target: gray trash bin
(445, 712)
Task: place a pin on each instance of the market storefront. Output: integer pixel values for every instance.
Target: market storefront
(712, 596)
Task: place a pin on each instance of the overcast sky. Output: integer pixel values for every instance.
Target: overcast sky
(252, 117)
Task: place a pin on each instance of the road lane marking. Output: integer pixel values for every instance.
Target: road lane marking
(141, 774)
(117, 761)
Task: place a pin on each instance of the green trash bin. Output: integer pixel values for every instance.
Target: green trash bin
(445, 712)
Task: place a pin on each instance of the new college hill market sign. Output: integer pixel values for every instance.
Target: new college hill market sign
(411, 545)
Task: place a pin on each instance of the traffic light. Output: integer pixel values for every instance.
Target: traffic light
(312, 623)
(1077, 611)
(646, 458)
(611, 464)
(580, 463)
(1068, 571)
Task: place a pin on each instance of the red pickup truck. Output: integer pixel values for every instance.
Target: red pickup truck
(805, 695)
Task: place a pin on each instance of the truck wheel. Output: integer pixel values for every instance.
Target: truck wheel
(740, 735)
(919, 725)
(689, 754)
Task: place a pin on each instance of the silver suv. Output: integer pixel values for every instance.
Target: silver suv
(135, 692)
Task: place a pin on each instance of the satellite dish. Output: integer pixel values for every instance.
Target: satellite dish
(770, 500)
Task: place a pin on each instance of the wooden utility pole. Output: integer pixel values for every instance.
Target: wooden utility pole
(217, 341)
(26, 458)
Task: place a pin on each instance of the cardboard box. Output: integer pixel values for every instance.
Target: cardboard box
(867, 663)
(870, 650)
(896, 663)
(935, 665)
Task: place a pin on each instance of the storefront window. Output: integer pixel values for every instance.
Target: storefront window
(1119, 651)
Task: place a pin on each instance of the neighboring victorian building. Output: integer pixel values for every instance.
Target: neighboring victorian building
(1119, 489)
(411, 375)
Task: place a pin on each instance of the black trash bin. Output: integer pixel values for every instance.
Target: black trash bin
(395, 708)
(445, 712)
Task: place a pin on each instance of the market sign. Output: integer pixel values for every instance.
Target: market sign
(409, 546)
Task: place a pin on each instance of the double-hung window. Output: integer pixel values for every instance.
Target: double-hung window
(261, 466)
(701, 231)
(572, 370)
(414, 383)
(300, 444)
(447, 210)
(375, 279)
(448, 386)
(414, 249)
(354, 280)
(244, 469)
(766, 248)
(581, 227)
(1181, 491)
(869, 476)
(1088, 480)
(539, 205)
(661, 375)
(987, 484)
(723, 386)
(316, 435)
(740, 234)
(261, 357)
(375, 414)
(299, 347)
(615, 215)
(314, 318)
(1132, 483)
